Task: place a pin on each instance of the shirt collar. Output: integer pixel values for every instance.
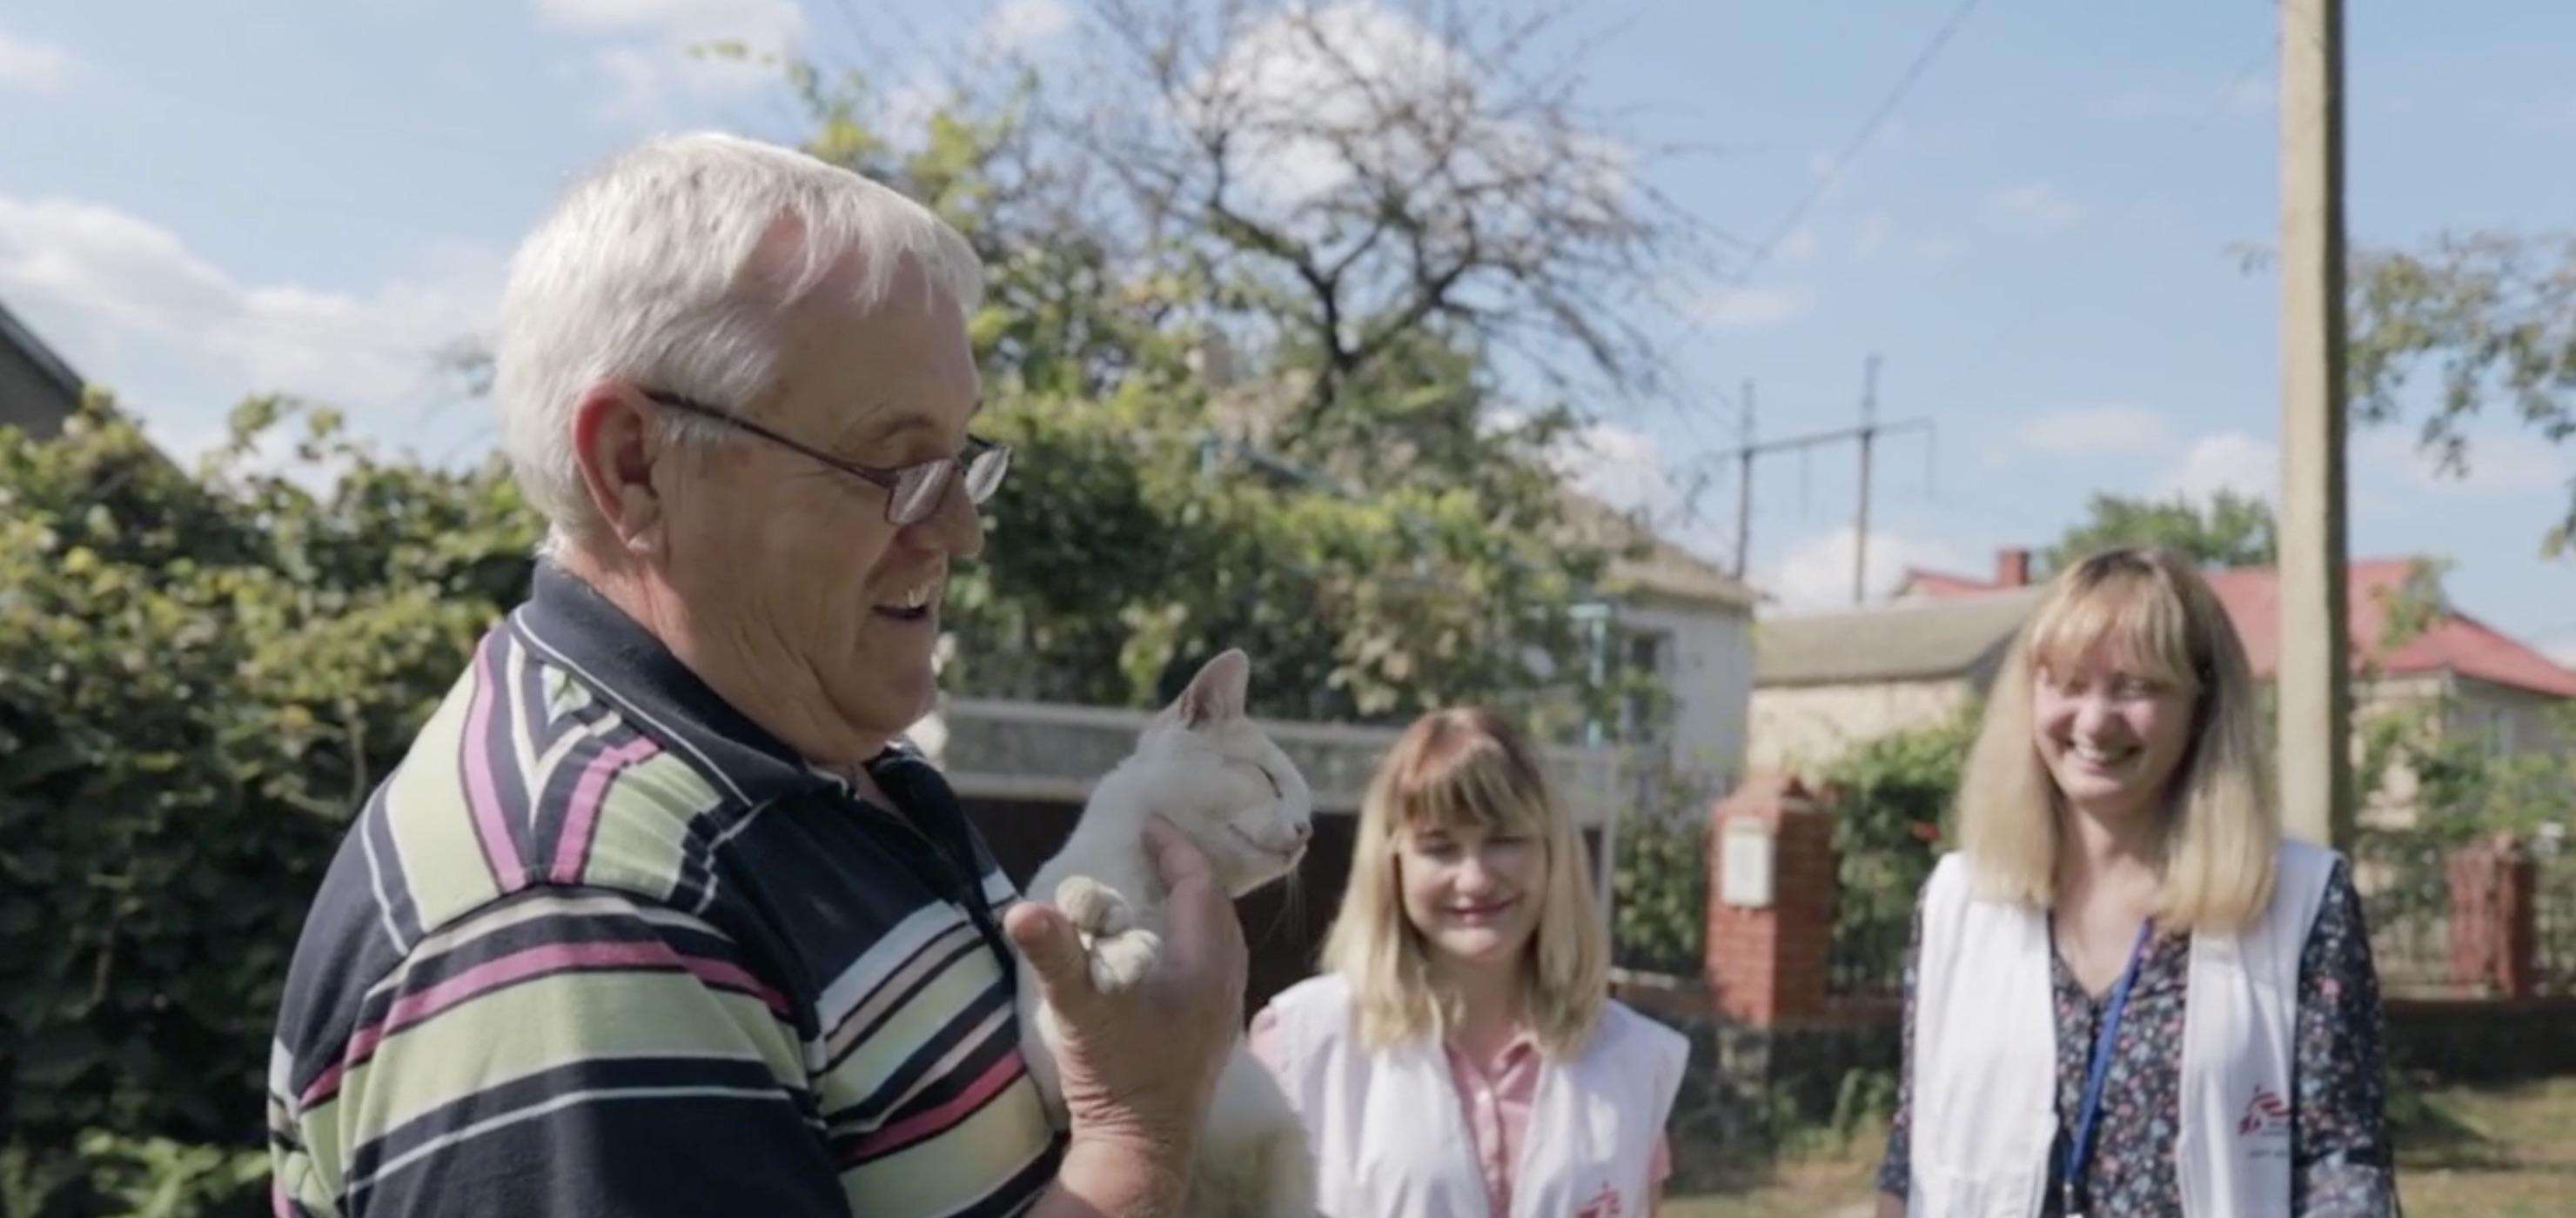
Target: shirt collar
(568, 622)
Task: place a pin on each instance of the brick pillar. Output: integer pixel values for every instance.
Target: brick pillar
(1767, 961)
(2494, 933)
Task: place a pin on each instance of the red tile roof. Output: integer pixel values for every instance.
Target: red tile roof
(2453, 642)
(1920, 582)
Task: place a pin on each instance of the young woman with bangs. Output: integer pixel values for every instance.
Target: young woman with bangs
(1461, 1056)
(2122, 894)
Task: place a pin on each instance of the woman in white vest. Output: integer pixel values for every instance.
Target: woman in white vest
(1461, 1056)
(2128, 995)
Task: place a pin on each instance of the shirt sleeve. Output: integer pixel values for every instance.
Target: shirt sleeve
(564, 1052)
(2338, 1131)
(1896, 1170)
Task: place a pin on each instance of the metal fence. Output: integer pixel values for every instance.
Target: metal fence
(2406, 895)
(2554, 918)
(2406, 899)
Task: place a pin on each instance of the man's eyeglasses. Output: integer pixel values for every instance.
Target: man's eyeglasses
(913, 492)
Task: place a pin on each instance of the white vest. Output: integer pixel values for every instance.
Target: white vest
(1984, 1068)
(1389, 1139)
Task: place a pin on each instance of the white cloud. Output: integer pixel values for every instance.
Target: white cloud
(2500, 463)
(688, 18)
(2032, 208)
(116, 293)
(1816, 573)
(657, 49)
(1310, 70)
(1303, 91)
(34, 67)
(2561, 647)
(2228, 461)
(1019, 26)
(1621, 467)
(1799, 246)
(1627, 470)
(2086, 430)
(1748, 308)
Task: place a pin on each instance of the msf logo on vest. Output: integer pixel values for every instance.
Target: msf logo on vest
(2266, 1121)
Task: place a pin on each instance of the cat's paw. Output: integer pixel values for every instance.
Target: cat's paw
(1121, 952)
(1120, 961)
(1094, 908)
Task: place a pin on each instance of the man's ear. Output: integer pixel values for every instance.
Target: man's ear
(614, 440)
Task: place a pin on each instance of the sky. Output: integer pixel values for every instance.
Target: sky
(2043, 243)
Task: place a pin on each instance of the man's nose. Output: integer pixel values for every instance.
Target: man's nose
(956, 526)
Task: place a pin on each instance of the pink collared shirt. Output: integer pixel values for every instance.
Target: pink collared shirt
(1494, 1097)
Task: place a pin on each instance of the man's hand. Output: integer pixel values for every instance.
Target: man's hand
(1138, 1067)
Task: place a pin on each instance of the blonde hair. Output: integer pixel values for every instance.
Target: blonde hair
(2219, 832)
(1466, 766)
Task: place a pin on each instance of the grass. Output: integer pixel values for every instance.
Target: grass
(2503, 1151)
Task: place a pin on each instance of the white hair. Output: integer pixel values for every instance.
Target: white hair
(672, 268)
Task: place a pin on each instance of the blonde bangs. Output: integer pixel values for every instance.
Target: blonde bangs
(1473, 786)
(2139, 620)
(2220, 834)
(1453, 769)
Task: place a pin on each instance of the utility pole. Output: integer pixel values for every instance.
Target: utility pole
(1868, 434)
(2315, 670)
(1744, 481)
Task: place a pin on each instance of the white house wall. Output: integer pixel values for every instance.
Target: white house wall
(1797, 728)
(1708, 669)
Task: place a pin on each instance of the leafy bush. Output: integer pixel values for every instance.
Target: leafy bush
(199, 679)
(1890, 797)
(1660, 918)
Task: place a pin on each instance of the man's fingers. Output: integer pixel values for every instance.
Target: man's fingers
(1206, 939)
(1176, 858)
(1051, 947)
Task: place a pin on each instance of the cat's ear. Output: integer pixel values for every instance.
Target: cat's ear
(1218, 692)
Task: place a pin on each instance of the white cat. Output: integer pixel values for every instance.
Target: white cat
(1203, 765)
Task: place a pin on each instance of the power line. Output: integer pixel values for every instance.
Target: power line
(1834, 168)
(1824, 181)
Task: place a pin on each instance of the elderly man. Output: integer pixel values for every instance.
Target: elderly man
(659, 916)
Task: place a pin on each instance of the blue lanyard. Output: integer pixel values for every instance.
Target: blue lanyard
(2081, 1146)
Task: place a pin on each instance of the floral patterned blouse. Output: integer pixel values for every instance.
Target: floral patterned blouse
(2338, 1134)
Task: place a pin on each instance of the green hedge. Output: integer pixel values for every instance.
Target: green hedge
(200, 677)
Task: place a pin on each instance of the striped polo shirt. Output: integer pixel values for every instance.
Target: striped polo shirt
(600, 945)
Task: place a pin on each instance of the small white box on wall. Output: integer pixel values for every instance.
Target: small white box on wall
(1745, 852)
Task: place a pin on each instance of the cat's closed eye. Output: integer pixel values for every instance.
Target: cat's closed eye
(1266, 776)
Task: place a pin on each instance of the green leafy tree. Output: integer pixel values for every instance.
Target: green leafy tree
(199, 679)
(1403, 550)
(201, 676)
(2227, 530)
(2489, 318)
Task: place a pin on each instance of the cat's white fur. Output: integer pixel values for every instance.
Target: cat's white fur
(1210, 771)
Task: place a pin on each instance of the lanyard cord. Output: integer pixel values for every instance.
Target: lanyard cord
(2080, 1147)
